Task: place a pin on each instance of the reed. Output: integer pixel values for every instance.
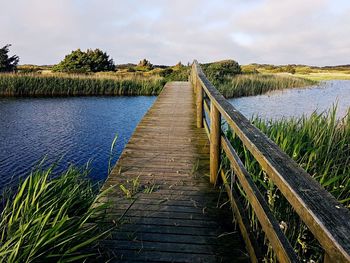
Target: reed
(47, 219)
(256, 84)
(35, 85)
(320, 145)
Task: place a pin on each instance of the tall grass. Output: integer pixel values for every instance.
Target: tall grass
(48, 219)
(67, 85)
(319, 144)
(256, 84)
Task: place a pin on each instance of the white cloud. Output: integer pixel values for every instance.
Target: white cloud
(164, 31)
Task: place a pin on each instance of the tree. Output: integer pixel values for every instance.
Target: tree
(7, 63)
(84, 62)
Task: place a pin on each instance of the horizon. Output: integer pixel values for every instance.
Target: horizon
(254, 31)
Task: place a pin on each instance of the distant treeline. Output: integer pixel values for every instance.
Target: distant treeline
(12, 85)
(293, 68)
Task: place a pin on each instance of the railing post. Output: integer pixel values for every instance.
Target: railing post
(215, 130)
(199, 103)
(194, 81)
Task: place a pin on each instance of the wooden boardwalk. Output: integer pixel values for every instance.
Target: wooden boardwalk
(165, 168)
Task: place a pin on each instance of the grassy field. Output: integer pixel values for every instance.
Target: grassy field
(321, 76)
(320, 145)
(303, 71)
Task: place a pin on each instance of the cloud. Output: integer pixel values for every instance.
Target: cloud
(164, 31)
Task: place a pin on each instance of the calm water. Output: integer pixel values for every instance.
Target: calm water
(74, 129)
(296, 102)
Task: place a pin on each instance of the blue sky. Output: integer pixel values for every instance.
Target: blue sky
(314, 32)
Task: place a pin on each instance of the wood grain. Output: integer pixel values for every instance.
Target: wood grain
(179, 220)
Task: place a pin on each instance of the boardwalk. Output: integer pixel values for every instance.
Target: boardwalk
(165, 166)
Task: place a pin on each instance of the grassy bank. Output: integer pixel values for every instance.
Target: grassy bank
(321, 76)
(37, 85)
(320, 145)
(256, 84)
(47, 219)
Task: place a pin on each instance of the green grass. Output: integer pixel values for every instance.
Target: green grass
(321, 76)
(37, 85)
(48, 219)
(320, 145)
(256, 84)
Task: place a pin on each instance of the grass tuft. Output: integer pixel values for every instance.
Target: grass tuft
(48, 219)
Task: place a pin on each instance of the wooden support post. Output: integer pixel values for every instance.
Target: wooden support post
(194, 81)
(215, 127)
(199, 103)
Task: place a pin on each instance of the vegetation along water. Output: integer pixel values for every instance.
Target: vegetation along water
(320, 144)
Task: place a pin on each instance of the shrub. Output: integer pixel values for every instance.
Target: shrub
(218, 71)
(84, 62)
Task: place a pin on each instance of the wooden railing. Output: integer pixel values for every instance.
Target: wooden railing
(328, 220)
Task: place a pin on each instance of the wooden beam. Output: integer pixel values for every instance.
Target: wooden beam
(199, 104)
(215, 123)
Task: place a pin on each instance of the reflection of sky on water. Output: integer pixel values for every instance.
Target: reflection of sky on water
(296, 102)
(74, 129)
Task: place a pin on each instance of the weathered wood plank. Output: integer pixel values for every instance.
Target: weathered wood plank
(179, 220)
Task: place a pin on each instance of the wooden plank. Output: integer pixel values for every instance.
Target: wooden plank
(179, 220)
(206, 127)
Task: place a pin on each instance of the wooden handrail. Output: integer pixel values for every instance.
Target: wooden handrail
(325, 217)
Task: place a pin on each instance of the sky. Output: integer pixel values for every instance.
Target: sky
(313, 32)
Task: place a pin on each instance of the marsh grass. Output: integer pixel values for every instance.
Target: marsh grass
(36, 85)
(256, 84)
(49, 219)
(319, 144)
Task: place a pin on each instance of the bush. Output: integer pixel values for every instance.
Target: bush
(218, 71)
(166, 72)
(84, 62)
(144, 65)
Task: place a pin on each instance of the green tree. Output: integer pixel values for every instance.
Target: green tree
(84, 62)
(7, 63)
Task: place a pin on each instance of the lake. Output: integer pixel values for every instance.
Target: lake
(296, 102)
(78, 130)
(65, 130)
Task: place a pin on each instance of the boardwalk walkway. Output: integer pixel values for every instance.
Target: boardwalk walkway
(165, 167)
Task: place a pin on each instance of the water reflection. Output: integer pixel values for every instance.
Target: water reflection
(74, 129)
(296, 102)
